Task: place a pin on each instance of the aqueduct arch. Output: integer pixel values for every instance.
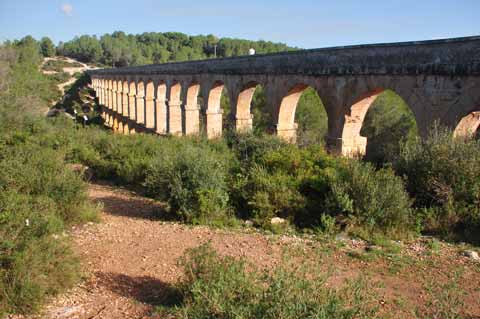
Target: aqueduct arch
(214, 112)
(150, 105)
(353, 142)
(438, 79)
(175, 109)
(192, 110)
(286, 127)
(132, 105)
(243, 108)
(161, 108)
(140, 102)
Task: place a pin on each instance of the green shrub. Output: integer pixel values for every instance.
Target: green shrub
(305, 185)
(272, 194)
(193, 180)
(372, 199)
(222, 287)
(249, 148)
(442, 176)
(34, 262)
(39, 195)
(271, 185)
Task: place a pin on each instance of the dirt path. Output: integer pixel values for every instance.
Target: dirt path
(130, 262)
(130, 258)
(70, 70)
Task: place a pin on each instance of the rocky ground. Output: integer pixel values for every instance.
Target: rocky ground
(130, 263)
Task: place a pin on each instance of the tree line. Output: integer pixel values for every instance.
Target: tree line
(120, 49)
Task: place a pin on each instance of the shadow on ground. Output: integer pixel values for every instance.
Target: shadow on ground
(144, 289)
(128, 205)
(135, 208)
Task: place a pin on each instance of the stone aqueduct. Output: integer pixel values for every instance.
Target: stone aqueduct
(439, 80)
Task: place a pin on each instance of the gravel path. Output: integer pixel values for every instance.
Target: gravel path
(130, 261)
(131, 258)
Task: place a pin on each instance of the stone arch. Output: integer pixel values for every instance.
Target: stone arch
(243, 109)
(140, 102)
(193, 89)
(132, 106)
(175, 109)
(469, 125)
(214, 97)
(286, 128)
(175, 93)
(150, 104)
(353, 143)
(191, 110)
(161, 108)
(214, 112)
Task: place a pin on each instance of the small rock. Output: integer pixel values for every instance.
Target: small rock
(248, 223)
(277, 221)
(472, 255)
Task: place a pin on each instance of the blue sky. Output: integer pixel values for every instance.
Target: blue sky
(301, 23)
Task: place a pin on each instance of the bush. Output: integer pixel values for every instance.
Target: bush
(249, 148)
(33, 262)
(305, 185)
(39, 195)
(193, 179)
(372, 199)
(221, 287)
(271, 185)
(442, 176)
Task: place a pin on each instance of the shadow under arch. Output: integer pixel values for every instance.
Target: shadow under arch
(376, 124)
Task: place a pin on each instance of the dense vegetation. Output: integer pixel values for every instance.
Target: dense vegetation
(39, 194)
(414, 186)
(120, 49)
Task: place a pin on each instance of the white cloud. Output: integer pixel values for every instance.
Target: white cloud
(67, 9)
